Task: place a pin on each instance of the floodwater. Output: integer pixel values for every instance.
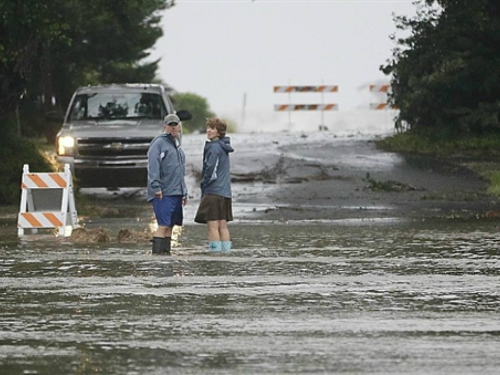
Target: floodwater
(323, 297)
(353, 296)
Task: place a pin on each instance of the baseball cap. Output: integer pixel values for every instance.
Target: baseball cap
(171, 118)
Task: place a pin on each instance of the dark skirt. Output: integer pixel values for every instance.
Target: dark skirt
(214, 207)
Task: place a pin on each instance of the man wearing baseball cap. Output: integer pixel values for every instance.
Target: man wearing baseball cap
(166, 185)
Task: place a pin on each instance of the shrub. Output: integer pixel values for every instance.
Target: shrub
(14, 153)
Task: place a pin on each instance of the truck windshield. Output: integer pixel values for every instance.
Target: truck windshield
(107, 105)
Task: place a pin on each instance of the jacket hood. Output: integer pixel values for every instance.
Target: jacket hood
(226, 144)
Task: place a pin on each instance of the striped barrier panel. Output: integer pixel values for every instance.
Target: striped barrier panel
(320, 88)
(380, 88)
(47, 201)
(44, 181)
(40, 220)
(306, 107)
(379, 106)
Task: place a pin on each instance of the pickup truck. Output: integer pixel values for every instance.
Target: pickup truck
(107, 130)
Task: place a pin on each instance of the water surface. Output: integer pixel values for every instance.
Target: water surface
(362, 297)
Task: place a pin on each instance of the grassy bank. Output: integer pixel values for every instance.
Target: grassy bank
(480, 154)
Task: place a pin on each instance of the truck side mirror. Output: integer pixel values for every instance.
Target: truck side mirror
(184, 115)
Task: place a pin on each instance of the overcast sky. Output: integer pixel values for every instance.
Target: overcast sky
(228, 50)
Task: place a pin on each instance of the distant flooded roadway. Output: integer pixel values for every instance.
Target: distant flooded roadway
(324, 297)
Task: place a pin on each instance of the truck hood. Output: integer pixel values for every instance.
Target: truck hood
(113, 128)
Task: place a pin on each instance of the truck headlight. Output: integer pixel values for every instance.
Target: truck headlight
(65, 145)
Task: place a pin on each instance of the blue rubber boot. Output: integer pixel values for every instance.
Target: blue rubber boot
(226, 246)
(215, 246)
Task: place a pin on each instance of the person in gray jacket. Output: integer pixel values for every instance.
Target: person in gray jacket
(215, 208)
(167, 189)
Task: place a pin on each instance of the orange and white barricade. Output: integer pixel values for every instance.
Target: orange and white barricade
(47, 201)
(322, 89)
(319, 88)
(381, 89)
(306, 107)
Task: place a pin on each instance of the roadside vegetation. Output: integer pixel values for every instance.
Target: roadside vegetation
(11, 165)
(445, 70)
(445, 81)
(481, 154)
(200, 109)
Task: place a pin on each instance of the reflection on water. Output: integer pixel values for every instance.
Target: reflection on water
(313, 297)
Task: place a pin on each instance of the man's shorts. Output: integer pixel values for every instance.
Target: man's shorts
(168, 210)
(214, 207)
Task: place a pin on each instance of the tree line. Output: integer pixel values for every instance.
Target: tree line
(49, 48)
(445, 70)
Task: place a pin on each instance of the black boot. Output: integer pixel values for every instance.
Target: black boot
(157, 245)
(166, 246)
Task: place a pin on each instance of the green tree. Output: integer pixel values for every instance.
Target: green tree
(199, 108)
(108, 44)
(446, 73)
(50, 48)
(26, 26)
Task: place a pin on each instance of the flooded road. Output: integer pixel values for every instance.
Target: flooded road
(327, 276)
(357, 297)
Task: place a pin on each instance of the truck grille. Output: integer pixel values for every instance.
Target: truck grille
(116, 148)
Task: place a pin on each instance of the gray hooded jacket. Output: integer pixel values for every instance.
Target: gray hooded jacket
(216, 172)
(166, 167)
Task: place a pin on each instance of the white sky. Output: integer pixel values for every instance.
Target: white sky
(225, 50)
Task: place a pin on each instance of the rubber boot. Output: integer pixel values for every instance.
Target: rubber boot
(215, 246)
(166, 245)
(226, 246)
(157, 245)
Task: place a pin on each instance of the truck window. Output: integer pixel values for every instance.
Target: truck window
(105, 105)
